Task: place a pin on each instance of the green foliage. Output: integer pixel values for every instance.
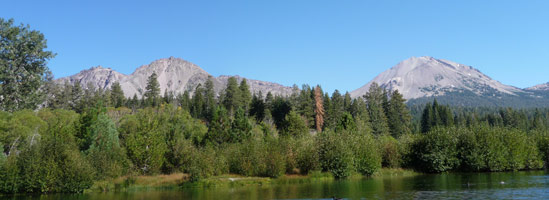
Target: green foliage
(375, 101)
(335, 155)
(241, 127)
(295, 125)
(436, 151)
(233, 95)
(390, 153)
(307, 155)
(257, 158)
(105, 153)
(398, 115)
(152, 90)
(144, 135)
(367, 158)
(117, 95)
(23, 69)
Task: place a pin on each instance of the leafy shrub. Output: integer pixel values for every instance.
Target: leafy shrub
(388, 146)
(367, 158)
(436, 151)
(307, 156)
(335, 155)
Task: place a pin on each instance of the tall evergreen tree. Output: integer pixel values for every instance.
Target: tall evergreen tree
(374, 101)
(399, 118)
(197, 106)
(245, 95)
(152, 93)
(209, 99)
(257, 107)
(232, 98)
(117, 95)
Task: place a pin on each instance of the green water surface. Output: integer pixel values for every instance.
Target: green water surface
(505, 185)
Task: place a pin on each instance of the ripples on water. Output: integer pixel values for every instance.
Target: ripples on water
(508, 185)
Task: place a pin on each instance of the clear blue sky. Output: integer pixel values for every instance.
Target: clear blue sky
(338, 44)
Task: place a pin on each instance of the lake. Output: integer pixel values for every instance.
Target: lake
(505, 185)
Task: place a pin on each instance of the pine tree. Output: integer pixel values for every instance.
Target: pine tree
(117, 95)
(197, 105)
(241, 127)
(336, 109)
(296, 126)
(245, 95)
(427, 118)
(257, 107)
(209, 99)
(399, 118)
(319, 109)
(152, 93)
(232, 98)
(184, 101)
(374, 101)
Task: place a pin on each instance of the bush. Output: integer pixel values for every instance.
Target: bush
(257, 158)
(389, 151)
(436, 151)
(206, 162)
(335, 155)
(307, 156)
(367, 158)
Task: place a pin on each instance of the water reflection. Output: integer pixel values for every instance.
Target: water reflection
(509, 185)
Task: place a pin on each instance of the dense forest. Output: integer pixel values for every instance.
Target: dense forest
(63, 137)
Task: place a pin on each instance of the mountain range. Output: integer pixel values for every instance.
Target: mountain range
(418, 79)
(174, 75)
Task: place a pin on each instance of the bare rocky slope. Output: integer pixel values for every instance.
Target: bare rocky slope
(540, 87)
(174, 74)
(422, 79)
(426, 76)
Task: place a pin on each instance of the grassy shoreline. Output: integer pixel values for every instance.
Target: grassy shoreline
(181, 180)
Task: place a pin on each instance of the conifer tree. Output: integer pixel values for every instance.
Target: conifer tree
(197, 105)
(399, 118)
(245, 95)
(117, 95)
(257, 107)
(232, 99)
(374, 101)
(152, 93)
(209, 99)
(319, 109)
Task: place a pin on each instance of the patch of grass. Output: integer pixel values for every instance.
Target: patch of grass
(392, 172)
(178, 180)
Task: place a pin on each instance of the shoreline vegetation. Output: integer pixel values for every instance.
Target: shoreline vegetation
(69, 138)
(180, 180)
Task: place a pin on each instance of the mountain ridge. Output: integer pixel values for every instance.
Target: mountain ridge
(174, 75)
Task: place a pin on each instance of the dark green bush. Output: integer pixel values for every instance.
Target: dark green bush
(335, 154)
(436, 151)
(388, 146)
(367, 158)
(307, 156)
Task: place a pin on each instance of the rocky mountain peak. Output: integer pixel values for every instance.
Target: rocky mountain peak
(427, 76)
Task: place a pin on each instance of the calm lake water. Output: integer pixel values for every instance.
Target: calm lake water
(508, 185)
